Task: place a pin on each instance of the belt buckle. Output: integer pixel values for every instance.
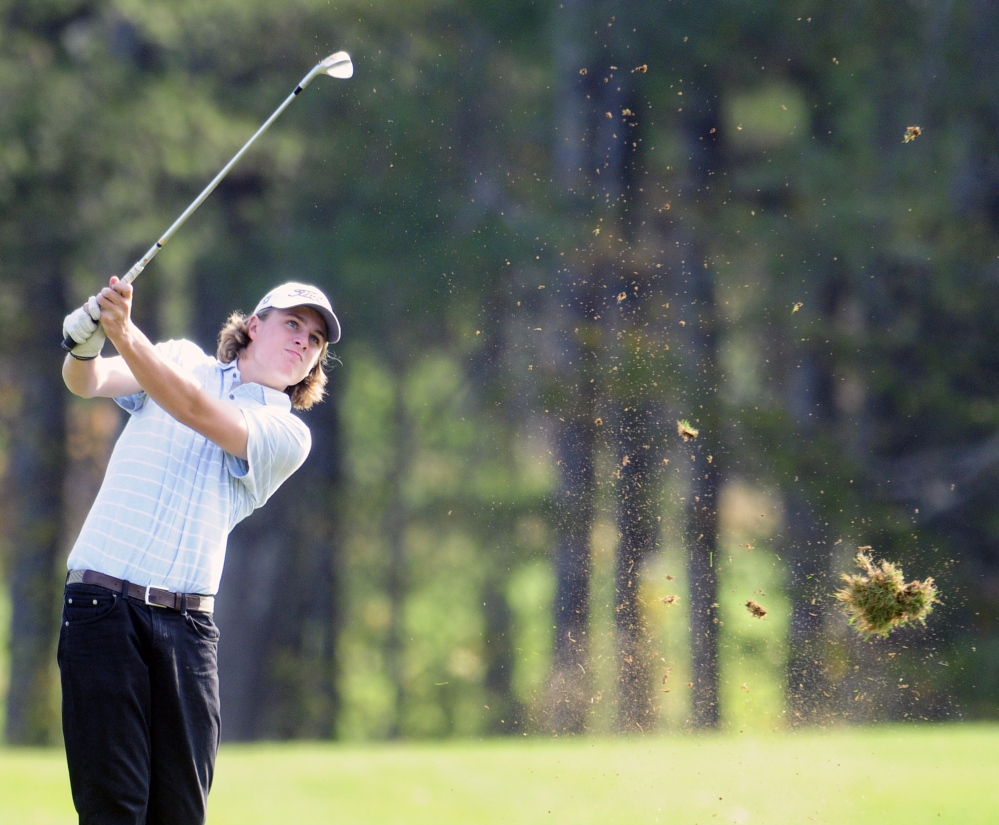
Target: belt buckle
(150, 587)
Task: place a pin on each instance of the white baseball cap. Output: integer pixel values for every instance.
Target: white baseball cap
(294, 294)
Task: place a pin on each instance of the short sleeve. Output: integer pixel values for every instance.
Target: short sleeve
(186, 354)
(277, 445)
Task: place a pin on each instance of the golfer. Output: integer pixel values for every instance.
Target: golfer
(208, 440)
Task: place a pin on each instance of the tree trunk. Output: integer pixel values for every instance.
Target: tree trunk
(506, 714)
(574, 396)
(610, 159)
(569, 685)
(396, 517)
(36, 491)
(278, 609)
(639, 534)
(698, 312)
(702, 542)
(808, 585)
(811, 407)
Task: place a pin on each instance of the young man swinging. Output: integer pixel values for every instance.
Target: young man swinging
(208, 441)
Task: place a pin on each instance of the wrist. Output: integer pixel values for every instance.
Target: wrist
(126, 338)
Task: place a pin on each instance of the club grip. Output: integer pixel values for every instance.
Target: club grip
(68, 344)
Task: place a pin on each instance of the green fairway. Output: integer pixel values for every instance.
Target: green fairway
(915, 775)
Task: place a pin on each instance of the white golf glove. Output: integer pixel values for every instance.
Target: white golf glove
(83, 326)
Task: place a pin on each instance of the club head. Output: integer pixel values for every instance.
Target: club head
(338, 65)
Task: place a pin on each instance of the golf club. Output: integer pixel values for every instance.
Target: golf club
(337, 65)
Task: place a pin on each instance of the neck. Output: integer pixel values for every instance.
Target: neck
(249, 374)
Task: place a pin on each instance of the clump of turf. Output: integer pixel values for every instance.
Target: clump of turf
(686, 430)
(878, 599)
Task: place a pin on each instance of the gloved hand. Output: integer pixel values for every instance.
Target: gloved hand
(83, 326)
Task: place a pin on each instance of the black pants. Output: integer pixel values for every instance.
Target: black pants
(140, 709)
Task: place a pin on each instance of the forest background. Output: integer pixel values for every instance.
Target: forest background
(552, 231)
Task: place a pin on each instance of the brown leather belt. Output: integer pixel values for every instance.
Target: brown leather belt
(151, 595)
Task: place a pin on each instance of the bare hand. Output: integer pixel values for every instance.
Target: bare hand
(115, 301)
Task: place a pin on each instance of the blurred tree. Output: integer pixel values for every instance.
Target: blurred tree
(577, 297)
(46, 182)
(865, 293)
(812, 292)
(109, 105)
(278, 669)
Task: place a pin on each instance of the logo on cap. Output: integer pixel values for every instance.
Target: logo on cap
(309, 295)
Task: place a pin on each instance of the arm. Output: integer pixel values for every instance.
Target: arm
(140, 367)
(85, 373)
(99, 378)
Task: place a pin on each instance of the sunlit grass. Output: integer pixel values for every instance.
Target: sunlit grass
(848, 776)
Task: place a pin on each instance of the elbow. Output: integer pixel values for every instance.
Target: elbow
(76, 383)
(79, 391)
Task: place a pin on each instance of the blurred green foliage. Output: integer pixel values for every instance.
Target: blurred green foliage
(853, 279)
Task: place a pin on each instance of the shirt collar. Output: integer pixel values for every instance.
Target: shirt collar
(264, 395)
(274, 398)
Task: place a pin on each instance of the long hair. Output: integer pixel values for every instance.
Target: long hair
(235, 337)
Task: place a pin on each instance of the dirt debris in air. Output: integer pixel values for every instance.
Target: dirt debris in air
(755, 609)
(683, 428)
(911, 133)
(878, 599)
(671, 599)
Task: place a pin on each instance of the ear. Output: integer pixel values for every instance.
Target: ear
(252, 326)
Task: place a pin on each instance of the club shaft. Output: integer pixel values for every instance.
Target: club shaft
(141, 264)
(68, 343)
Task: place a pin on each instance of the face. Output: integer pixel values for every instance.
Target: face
(284, 346)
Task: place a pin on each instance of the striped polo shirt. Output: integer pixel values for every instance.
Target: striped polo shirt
(170, 496)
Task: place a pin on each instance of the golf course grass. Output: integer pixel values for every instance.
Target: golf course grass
(848, 776)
